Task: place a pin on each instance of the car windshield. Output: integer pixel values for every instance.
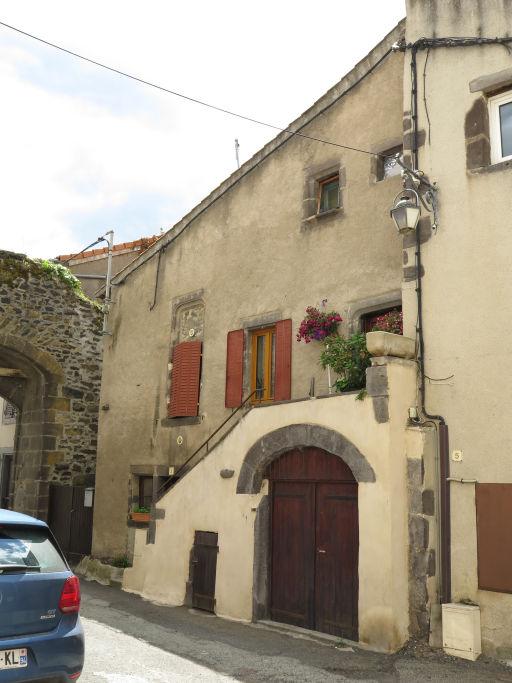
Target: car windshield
(28, 548)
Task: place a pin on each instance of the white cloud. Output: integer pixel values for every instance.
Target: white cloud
(81, 147)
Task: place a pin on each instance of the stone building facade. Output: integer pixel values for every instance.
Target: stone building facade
(425, 473)
(467, 294)
(50, 359)
(189, 315)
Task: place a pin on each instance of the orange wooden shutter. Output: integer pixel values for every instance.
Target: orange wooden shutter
(185, 375)
(234, 368)
(283, 386)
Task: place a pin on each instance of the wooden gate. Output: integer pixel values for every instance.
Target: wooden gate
(5, 479)
(204, 563)
(70, 518)
(314, 540)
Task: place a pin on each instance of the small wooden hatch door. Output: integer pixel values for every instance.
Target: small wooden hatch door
(204, 570)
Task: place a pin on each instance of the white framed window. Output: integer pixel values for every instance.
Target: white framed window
(500, 120)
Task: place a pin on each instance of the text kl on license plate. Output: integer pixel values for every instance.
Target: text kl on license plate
(13, 659)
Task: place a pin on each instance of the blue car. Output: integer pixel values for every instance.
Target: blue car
(41, 637)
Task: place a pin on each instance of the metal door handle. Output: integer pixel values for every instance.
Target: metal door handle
(319, 550)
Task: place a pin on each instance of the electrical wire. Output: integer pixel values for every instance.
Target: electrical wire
(186, 97)
(101, 239)
(425, 92)
(453, 41)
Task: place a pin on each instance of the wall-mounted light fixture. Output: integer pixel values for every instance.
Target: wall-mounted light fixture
(407, 204)
(406, 211)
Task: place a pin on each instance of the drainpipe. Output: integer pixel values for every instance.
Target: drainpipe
(110, 240)
(444, 460)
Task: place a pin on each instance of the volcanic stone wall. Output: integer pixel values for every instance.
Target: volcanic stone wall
(50, 355)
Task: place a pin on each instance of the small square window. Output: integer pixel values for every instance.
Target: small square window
(500, 119)
(329, 193)
(388, 166)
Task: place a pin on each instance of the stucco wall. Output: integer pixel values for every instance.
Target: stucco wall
(161, 570)
(467, 289)
(249, 255)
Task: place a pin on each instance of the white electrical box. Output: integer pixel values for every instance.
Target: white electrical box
(461, 630)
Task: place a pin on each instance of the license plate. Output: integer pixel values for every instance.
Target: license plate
(13, 659)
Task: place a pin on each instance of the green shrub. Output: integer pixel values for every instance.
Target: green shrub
(62, 273)
(348, 357)
(120, 561)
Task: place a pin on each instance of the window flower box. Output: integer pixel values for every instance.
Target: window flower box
(140, 516)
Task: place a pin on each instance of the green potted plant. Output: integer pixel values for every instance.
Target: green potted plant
(349, 358)
(140, 514)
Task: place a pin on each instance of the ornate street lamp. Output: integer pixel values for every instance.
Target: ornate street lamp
(407, 204)
(406, 211)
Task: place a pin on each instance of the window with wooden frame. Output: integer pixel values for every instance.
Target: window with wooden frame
(328, 193)
(268, 371)
(263, 364)
(500, 121)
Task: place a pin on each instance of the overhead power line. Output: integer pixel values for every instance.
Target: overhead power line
(182, 96)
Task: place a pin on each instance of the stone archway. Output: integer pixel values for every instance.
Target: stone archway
(50, 354)
(29, 380)
(286, 438)
(256, 461)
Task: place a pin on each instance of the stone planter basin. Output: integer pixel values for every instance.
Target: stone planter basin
(388, 344)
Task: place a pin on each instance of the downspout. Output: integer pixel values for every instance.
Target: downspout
(444, 469)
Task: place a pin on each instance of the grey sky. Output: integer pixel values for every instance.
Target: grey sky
(84, 150)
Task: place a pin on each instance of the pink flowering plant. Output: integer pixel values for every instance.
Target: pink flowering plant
(317, 325)
(392, 321)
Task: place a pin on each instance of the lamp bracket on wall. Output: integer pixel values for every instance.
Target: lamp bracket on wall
(426, 192)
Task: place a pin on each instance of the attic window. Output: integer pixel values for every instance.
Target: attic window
(329, 193)
(388, 166)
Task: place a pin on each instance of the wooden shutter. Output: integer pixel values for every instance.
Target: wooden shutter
(234, 368)
(283, 386)
(185, 375)
(494, 536)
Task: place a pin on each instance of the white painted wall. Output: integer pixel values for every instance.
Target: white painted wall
(203, 500)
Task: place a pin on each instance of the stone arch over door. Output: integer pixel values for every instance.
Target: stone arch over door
(256, 461)
(270, 446)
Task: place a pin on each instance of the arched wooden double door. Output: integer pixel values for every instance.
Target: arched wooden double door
(314, 542)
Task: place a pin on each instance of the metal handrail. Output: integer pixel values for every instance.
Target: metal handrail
(205, 443)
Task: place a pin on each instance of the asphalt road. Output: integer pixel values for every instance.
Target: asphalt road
(129, 640)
